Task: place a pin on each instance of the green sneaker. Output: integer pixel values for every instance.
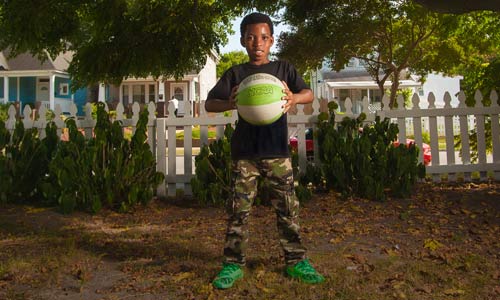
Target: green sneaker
(305, 272)
(227, 276)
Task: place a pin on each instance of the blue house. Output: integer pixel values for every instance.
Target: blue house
(27, 80)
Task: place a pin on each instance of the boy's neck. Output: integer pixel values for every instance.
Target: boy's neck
(259, 63)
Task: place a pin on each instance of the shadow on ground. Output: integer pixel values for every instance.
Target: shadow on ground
(441, 243)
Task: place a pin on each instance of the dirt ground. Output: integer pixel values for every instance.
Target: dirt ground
(441, 243)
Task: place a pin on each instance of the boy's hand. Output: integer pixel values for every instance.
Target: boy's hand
(289, 98)
(232, 97)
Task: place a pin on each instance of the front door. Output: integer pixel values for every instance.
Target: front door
(42, 90)
(180, 92)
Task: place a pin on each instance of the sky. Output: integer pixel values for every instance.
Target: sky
(234, 40)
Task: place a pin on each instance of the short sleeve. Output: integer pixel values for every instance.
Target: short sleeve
(222, 89)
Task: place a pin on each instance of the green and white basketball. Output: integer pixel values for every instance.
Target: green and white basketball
(259, 99)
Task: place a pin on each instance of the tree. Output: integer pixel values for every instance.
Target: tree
(389, 36)
(112, 40)
(230, 59)
(482, 66)
(459, 6)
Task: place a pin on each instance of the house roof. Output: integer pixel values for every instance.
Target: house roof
(28, 62)
(354, 79)
(347, 76)
(371, 84)
(356, 75)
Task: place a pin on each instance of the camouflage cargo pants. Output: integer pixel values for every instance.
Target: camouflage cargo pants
(278, 171)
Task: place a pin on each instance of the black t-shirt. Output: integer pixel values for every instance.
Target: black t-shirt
(263, 141)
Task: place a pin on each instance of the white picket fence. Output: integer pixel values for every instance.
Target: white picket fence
(179, 170)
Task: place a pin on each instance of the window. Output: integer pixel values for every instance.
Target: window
(125, 95)
(151, 90)
(139, 93)
(179, 93)
(376, 96)
(343, 94)
(352, 63)
(63, 89)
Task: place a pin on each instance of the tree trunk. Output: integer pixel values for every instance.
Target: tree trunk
(394, 90)
(381, 88)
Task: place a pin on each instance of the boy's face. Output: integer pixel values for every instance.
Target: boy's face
(258, 41)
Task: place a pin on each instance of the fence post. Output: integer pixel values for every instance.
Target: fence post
(161, 155)
(449, 135)
(495, 133)
(464, 135)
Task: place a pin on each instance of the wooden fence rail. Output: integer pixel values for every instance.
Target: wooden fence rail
(179, 168)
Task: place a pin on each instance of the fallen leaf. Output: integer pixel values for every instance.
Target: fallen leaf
(336, 240)
(454, 292)
(263, 288)
(391, 252)
(465, 211)
(432, 244)
(181, 276)
(424, 289)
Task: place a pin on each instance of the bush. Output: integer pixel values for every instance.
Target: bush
(24, 160)
(362, 161)
(4, 109)
(104, 171)
(212, 181)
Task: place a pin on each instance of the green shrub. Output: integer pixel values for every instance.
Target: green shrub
(104, 171)
(212, 181)
(4, 109)
(24, 160)
(362, 161)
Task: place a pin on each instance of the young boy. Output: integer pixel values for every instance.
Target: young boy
(261, 151)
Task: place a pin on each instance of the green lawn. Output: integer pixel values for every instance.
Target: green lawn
(196, 133)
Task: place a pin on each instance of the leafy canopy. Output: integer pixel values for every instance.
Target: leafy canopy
(112, 40)
(230, 59)
(389, 36)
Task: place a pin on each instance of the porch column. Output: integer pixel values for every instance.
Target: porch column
(156, 92)
(18, 87)
(52, 99)
(130, 96)
(6, 89)
(192, 95)
(161, 90)
(102, 93)
(120, 94)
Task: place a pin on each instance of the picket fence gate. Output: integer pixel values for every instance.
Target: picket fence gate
(164, 145)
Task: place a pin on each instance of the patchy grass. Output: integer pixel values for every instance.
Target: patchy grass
(442, 243)
(196, 133)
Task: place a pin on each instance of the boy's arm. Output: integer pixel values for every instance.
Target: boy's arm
(220, 105)
(304, 96)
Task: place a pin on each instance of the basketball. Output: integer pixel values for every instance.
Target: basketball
(259, 99)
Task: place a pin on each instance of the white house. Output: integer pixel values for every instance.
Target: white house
(355, 82)
(188, 90)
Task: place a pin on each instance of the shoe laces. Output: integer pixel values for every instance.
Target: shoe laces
(305, 267)
(228, 270)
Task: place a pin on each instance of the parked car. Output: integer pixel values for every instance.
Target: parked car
(310, 145)
(425, 148)
(294, 142)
